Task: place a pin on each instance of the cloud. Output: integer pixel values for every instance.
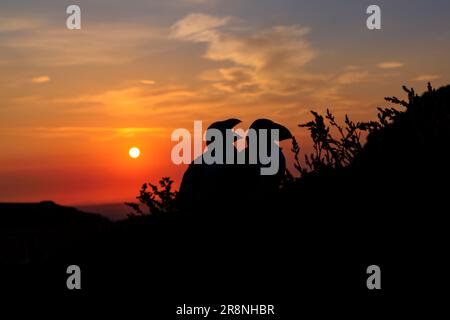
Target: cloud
(148, 82)
(268, 66)
(264, 60)
(390, 65)
(41, 79)
(427, 77)
(238, 79)
(198, 27)
(98, 44)
(94, 132)
(279, 48)
(13, 25)
(134, 101)
(350, 77)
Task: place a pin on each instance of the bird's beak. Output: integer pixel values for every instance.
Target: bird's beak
(237, 136)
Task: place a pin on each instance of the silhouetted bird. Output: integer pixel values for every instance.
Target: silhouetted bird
(251, 175)
(204, 185)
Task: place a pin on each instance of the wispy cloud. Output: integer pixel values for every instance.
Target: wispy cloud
(390, 65)
(94, 132)
(350, 77)
(198, 27)
(427, 77)
(262, 59)
(40, 79)
(13, 25)
(269, 66)
(134, 101)
(147, 82)
(98, 44)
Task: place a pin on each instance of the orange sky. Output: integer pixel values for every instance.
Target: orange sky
(74, 102)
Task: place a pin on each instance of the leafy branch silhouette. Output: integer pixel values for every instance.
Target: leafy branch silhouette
(157, 199)
(333, 153)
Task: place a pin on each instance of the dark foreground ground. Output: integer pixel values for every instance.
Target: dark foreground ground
(296, 262)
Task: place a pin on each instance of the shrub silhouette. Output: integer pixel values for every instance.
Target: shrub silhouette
(411, 149)
(330, 152)
(161, 199)
(334, 153)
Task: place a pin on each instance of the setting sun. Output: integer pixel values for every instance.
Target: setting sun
(134, 152)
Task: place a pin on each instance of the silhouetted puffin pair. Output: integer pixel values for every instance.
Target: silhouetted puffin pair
(211, 186)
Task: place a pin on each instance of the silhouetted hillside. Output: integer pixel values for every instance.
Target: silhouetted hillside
(113, 211)
(34, 232)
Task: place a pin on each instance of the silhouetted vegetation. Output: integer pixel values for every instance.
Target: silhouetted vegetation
(337, 152)
(157, 200)
(330, 152)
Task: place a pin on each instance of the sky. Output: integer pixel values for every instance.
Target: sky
(73, 102)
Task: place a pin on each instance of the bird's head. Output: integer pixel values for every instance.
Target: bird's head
(267, 124)
(225, 125)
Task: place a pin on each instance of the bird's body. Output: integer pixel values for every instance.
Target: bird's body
(205, 186)
(266, 181)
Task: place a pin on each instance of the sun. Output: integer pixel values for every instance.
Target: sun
(134, 153)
